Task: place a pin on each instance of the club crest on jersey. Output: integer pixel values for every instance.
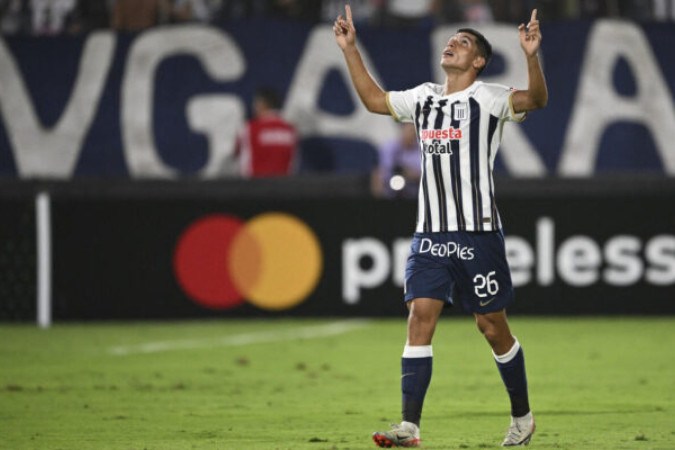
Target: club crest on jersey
(460, 111)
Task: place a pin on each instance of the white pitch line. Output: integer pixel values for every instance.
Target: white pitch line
(238, 340)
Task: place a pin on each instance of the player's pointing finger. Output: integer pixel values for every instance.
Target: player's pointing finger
(348, 11)
(534, 15)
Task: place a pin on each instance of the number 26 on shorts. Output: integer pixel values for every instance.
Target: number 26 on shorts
(485, 285)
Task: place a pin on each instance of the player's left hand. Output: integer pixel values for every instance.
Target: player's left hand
(345, 33)
(530, 35)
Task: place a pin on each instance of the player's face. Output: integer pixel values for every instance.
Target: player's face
(460, 52)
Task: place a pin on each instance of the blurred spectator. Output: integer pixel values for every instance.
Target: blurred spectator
(447, 11)
(196, 10)
(137, 15)
(239, 9)
(407, 13)
(362, 10)
(50, 16)
(267, 146)
(14, 17)
(512, 11)
(593, 9)
(476, 11)
(550, 10)
(639, 10)
(517, 11)
(90, 15)
(307, 10)
(398, 172)
(664, 10)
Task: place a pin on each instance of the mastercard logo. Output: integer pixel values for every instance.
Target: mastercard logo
(273, 261)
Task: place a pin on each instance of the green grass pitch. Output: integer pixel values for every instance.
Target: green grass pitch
(595, 383)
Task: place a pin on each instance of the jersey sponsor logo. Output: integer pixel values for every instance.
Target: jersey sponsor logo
(223, 261)
(446, 249)
(436, 142)
(452, 133)
(435, 147)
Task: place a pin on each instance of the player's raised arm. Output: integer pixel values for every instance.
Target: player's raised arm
(536, 95)
(374, 98)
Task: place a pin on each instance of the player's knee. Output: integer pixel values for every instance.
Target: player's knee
(489, 332)
(421, 322)
(424, 312)
(421, 328)
(482, 323)
(499, 338)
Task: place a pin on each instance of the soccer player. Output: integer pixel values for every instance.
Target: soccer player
(457, 251)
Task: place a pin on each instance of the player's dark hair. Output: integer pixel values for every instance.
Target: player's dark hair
(484, 47)
(269, 96)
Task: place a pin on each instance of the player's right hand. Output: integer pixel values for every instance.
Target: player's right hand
(345, 33)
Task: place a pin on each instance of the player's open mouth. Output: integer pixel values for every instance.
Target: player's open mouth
(448, 53)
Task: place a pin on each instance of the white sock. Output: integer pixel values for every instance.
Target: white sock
(417, 351)
(508, 356)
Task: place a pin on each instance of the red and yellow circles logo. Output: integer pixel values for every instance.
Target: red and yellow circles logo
(273, 261)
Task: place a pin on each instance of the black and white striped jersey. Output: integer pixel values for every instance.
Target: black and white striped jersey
(458, 135)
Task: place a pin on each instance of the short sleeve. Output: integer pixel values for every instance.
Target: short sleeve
(502, 103)
(401, 104)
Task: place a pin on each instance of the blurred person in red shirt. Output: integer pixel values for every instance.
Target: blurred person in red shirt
(267, 145)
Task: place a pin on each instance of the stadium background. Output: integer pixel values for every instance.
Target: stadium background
(132, 135)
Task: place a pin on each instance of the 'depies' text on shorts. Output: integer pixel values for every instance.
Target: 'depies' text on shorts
(446, 249)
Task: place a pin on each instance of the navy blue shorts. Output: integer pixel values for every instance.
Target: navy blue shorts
(469, 267)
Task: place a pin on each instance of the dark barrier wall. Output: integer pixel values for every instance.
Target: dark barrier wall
(17, 257)
(167, 103)
(580, 250)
